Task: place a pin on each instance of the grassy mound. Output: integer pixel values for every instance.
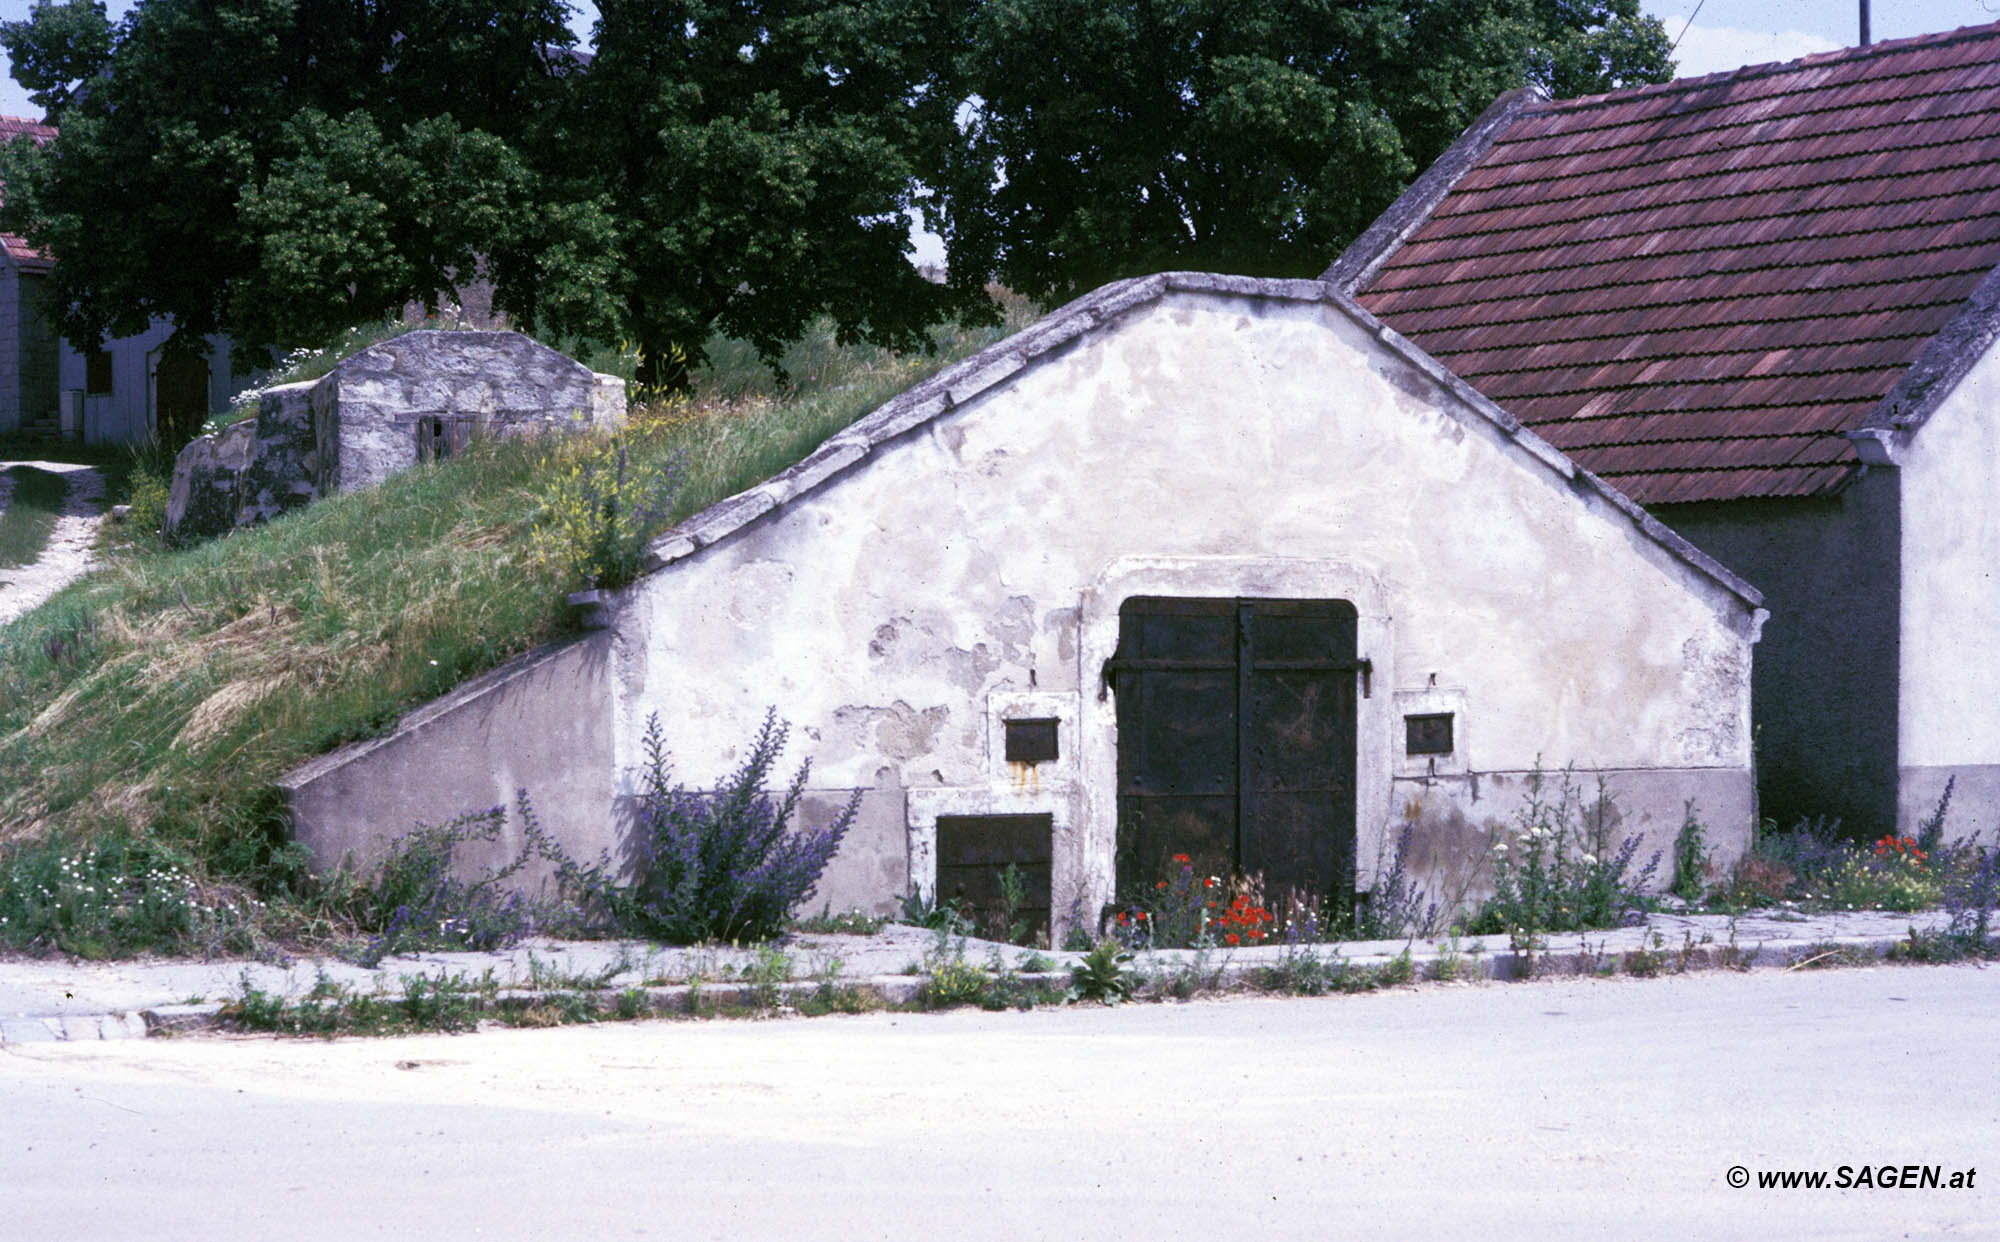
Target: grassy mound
(159, 700)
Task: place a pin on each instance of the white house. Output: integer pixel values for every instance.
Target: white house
(122, 393)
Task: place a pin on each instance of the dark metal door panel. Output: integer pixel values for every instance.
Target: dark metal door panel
(1236, 739)
(973, 851)
(1300, 781)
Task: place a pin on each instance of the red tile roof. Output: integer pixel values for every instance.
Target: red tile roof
(18, 250)
(1695, 289)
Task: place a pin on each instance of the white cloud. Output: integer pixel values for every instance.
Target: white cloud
(1718, 49)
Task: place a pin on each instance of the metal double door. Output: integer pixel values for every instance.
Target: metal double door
(1236, 741)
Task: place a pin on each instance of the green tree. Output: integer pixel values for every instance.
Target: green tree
(56, 49)
(220, 157)
(1250, 136)
(750, 163)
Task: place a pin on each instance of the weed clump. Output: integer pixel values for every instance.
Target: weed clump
(417, 898)
(1558, 870)
(602, 508)
(117, 897)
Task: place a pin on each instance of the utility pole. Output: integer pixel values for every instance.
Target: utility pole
(1864, 23)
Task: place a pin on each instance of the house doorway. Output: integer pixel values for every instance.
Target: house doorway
(1236, 741)
(180, 398)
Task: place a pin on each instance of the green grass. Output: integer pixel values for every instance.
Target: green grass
(162, 697)
(30, 514)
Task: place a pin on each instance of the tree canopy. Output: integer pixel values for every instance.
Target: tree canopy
(749, 163)
(279, 169)
(271, 169)
(1249, 136)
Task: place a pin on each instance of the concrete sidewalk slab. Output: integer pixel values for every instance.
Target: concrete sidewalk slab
(51, 999)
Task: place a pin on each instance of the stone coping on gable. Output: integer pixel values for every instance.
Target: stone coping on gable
(972, 377)
(1909, 404)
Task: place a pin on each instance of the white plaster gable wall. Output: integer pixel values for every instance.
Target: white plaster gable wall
(1948, 715)
(1200, 445)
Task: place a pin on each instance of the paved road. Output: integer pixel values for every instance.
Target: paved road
(1563, 1109)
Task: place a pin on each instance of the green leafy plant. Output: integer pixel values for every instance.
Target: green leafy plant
(1690, 858)
(1558, 868)
(948, 979)
(767, 975)
(1103, 975)
(602, 508)
(1398, 970)
(920, 909)
(443, 1002)
(1009, 925)
(118, 896)
(1451, 963)
(1302, 971)
(147, 515)
(1649, 959)
(419, 897)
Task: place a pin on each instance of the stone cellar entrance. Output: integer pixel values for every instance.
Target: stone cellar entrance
(1236, 740)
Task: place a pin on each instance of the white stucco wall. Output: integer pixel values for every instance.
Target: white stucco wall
(125, 414)
(1949, 703)
(1203, 445)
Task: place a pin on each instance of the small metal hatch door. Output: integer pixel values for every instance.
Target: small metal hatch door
(1236, 740)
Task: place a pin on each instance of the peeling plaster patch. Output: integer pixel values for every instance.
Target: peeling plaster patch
(1014, 625)
(884, 641)
(1715, 676)
(900, 732)
(1062, 623)
(758, 585)
(968, 669)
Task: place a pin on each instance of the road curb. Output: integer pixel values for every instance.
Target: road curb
(1305, 969)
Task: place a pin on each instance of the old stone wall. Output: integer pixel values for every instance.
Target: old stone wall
(421, 395)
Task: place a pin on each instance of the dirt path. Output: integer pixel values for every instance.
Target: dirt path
(68, 554)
